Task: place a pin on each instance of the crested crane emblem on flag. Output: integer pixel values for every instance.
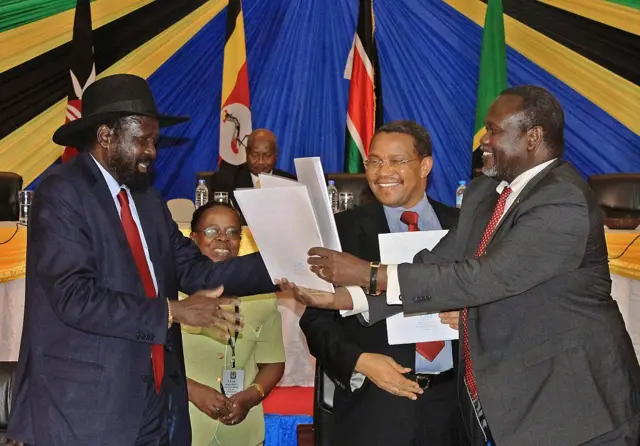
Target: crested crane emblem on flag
(235, 110)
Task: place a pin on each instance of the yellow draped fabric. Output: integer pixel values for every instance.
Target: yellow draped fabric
(13, 255)
(603, 11)
(629, 263)
(33, 39)
(614, 94)
(29, 150)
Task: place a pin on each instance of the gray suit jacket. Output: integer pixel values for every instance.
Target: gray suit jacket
(553, 361)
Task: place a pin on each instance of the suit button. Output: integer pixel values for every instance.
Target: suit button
(152, 336)
(400, 297)
(427, 297)
(139, 336)
(416, 299)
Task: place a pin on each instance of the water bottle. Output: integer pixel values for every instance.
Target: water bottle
(202, 194)
(460, 193)
(333, 195)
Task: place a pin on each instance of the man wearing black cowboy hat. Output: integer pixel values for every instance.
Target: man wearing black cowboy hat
(98, 363)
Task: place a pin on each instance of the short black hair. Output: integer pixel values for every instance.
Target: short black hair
(541, 108)
(421, 138)
(199, 213)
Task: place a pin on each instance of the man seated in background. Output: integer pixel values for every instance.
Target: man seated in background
(262, 155)
(358, 358)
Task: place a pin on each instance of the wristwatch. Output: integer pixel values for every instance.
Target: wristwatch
(373, 280)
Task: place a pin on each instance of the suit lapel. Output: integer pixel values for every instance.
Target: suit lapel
(522, 196)
(243, 179)
(144, 205)
(101, 191)
(373, 224)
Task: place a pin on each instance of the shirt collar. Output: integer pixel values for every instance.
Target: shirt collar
(112, 184)
(521, 180)
(421, 207)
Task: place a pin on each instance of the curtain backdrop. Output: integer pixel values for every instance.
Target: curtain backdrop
(296, 52)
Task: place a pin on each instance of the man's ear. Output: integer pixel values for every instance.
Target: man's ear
(426, 164)
(535, 136)
(104, 135)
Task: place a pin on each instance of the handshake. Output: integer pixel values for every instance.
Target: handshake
(206, 308)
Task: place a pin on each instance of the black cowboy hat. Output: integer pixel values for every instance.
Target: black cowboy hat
(107, 99)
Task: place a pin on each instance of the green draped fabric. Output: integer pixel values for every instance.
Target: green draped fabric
(630, 3)
(14, 13)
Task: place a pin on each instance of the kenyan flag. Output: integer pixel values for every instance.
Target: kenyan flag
(364, 112)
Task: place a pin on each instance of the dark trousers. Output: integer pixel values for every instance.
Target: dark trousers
(153, 429)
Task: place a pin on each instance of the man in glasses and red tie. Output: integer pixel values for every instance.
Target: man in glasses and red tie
(101, 358)
(545, 357)
(359, 359)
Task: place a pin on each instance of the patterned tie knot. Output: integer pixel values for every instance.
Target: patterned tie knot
(504, 195)
(411, 219)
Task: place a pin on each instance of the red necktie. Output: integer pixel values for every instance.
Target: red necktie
(488, 232)
(135, 243)
(428, 350)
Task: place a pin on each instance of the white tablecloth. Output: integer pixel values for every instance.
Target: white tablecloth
(300, 365)
(11, 316)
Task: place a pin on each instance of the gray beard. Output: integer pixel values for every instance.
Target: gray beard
(490, 171)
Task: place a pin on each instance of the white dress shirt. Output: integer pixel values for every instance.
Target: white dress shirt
(114, 189)
(359, 298)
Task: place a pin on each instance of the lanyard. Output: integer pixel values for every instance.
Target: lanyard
(232, 344)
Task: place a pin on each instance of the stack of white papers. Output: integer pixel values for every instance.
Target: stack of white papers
(399, 248)
(287, 218)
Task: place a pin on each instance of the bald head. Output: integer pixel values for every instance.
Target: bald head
(262, 151)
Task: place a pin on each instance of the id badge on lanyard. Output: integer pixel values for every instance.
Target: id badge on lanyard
(232, 379)
(480, 418)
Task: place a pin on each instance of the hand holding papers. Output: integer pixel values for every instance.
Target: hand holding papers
(401, 248)
(287, 219)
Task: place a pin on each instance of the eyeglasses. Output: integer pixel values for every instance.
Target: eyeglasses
(376, 163)
(215, 232)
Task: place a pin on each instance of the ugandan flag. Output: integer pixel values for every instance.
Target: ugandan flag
(82, 69)
(364, 111)
(492, 79)
(235, 112)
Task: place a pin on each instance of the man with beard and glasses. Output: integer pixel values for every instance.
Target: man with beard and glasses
(101, 357)
(547, 359)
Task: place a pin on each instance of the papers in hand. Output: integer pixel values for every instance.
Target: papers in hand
(286, 220)
(399, 248)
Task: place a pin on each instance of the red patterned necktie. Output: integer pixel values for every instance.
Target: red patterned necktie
(428, 350)
(135, 243)
(488, 232)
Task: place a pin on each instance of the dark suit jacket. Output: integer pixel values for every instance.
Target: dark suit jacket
(552, 359)
(88, 327)
(338, 342)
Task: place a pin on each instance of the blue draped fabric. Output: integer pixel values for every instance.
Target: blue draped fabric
(429, 57)
(280, 430)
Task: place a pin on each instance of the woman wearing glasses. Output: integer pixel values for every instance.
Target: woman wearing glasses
(251, 364)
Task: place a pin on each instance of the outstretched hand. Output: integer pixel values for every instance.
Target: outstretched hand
(340, 300)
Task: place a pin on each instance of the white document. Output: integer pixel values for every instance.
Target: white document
(310, 173)
(284, 227)
(267, 180)
(398, 248)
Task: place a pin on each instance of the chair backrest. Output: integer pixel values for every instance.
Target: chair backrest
(324, 389)
(181, 210)
(617, 194)
(10, 185)
(7, 370)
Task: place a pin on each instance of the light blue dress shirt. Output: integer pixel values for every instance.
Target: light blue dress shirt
(427, 221)
(114, 189)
